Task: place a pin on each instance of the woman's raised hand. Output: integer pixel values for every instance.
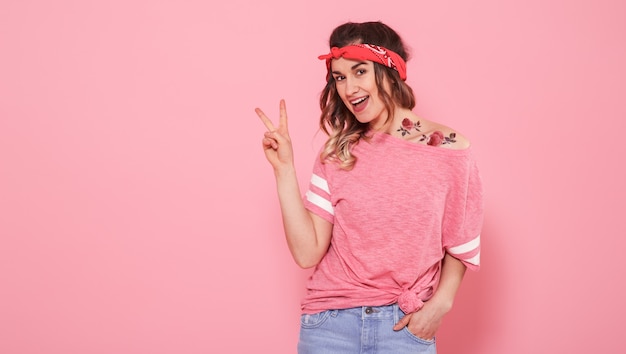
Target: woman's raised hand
(276, 141)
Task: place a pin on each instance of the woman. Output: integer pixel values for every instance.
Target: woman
(393, 213)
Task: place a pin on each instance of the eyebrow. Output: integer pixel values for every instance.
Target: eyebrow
(352, 68)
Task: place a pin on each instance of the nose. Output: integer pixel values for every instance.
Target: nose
(352, 85)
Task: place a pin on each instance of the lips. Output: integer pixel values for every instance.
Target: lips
(359, 104)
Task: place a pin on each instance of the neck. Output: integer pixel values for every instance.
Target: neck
(392, 125)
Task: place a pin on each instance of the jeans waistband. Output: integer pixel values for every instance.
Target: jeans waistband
(379, 312)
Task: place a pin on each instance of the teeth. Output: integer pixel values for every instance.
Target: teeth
(358, 101)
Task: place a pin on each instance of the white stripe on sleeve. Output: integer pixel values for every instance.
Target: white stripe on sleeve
(320, 183)
(474, 260)
(466, 247)
(320, 202)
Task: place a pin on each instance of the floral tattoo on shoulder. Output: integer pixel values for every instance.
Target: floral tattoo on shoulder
(436, 138)
(408, 125)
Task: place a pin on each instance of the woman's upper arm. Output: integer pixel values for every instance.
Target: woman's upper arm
(323, 233)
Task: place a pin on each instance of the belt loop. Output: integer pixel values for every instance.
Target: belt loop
(396, 313)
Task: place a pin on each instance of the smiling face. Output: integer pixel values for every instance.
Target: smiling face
(355, 82)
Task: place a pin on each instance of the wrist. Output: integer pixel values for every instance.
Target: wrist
(443, 303)
(285, 171)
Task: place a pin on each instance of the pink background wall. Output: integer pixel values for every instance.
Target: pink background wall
(138, 214)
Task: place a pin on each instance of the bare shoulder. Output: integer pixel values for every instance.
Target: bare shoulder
(449, 137)
(431, 133)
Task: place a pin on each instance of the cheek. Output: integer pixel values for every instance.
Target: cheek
(342, 95)
(340, 91)
(347, 104)
(373, 89)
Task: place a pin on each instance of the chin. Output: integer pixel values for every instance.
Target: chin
(363, 120)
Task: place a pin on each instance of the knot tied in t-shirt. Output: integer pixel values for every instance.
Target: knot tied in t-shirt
(409, 302)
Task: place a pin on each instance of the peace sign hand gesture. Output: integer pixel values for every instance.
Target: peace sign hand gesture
(276, 141)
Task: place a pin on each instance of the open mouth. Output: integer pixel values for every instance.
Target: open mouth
(359, 104)
(359, 101)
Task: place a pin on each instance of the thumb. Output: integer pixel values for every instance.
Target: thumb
(404, 321)
(280, 137)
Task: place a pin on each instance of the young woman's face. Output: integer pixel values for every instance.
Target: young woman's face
(356, 85)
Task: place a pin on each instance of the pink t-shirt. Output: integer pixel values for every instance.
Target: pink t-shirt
(395, 215)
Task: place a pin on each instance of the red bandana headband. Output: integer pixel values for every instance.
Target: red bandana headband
(371, 52)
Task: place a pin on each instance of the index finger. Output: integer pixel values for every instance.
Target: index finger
(268, 123)
(283, 114)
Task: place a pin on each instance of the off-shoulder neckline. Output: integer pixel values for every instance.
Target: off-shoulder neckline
(385, 137)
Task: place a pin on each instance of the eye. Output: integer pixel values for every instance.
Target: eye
(361, 71)
(339, 78)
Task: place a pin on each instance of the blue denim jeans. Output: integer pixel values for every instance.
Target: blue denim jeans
(359, 330)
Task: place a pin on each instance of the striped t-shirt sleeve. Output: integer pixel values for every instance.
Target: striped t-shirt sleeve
(468, 253)
(462, 240)
(317, 198)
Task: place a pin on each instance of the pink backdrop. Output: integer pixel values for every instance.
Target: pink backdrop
(138, 214)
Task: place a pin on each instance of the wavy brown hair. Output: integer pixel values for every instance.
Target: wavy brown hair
(336, 120)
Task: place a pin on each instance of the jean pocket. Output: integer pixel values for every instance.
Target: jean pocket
(418, 339)
(314, 320)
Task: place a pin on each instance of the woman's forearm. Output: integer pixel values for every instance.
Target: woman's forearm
(307, 237)
(452, 273)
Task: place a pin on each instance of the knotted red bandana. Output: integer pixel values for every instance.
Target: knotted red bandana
(371, 52)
